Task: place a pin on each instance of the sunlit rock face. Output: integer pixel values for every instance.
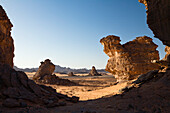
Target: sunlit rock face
(131, 59)
(158, 18)
(46, 68)
(167, 50)
(94, 72)
(6, 41)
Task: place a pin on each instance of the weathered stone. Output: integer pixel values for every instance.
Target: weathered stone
(47, 78)
(53, 79)
(6, 41)
(167, 50)
(46, 68)
(16, 90)
(158, 18)
(145, 77)
(94, 72)
(71, 74)
(131, 59)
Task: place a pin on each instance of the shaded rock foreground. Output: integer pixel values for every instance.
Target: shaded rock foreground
(17, 88)
(150, 94)
(45, 75)
(6, 41)
(131, 59)
(158, 18)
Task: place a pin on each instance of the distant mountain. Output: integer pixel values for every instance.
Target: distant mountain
(59, 69)
(25, 69)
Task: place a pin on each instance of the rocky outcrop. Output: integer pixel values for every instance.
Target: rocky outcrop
(44, 75)
(94, 72)
(17, 90)
(167, 50)
(158, 18)
(131, 59)
(46, 68)
(6, 41)
(71, 74)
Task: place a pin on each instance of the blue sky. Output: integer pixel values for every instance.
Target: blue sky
(68, 31)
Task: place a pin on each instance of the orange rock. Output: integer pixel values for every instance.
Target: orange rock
(131, 59)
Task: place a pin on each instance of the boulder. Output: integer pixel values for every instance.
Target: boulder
(44, 75)
(131, 59)
(46, 68)
(71, 74)
(94, 72)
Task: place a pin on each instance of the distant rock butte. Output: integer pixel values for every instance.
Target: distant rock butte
(158, 18)
(94, 72)
(131, 59)
(6, 41)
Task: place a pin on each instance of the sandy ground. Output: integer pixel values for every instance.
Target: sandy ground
(91, 87)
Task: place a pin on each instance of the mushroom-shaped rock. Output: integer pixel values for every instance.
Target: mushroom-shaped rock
(131, 59)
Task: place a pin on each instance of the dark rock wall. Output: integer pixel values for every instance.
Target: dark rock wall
(158, 18)
(6, 41)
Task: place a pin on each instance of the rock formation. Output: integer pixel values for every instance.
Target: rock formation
(131, 59)
(158, 18)
(167, 50)
(6, 41)
(71, 74)
(94, 72)
(46, 68)
(16, 90)
(44, 75)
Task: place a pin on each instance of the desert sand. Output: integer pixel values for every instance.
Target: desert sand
(89, 88)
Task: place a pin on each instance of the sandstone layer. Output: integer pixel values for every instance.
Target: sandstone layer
(94, 72)
(158, 18)
(6, 41)
(131, 59)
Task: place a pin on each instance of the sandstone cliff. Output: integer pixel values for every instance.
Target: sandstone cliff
(6, 41)
(158, 18)
(131, 59)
